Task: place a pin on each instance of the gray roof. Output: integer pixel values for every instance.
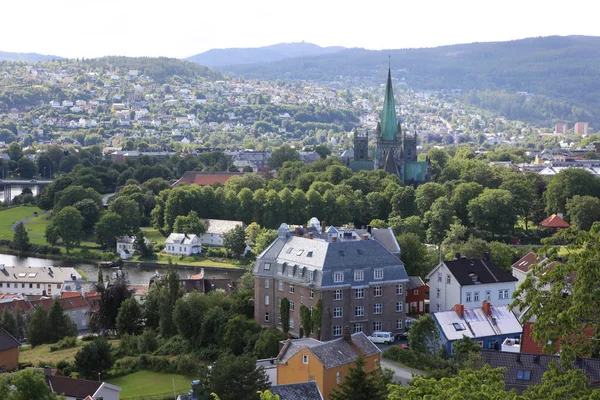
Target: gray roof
(338, 352)
(221, 226)
(415, 282)
(37, 274)
(292, 347)
(7, 341)
(297, 391)
(180, 238)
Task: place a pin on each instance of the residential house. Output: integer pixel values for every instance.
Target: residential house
(417, 296)
(326, 363)
(198, 283)
(360, 283)
(215, 229)
(35, 280)
(9, 351)
(469, 282)
(77, 308)
(297, 391)
(126, 246)
(183, 244)
(77, 389)
(554, 223)
(522, 370)
(488, 325)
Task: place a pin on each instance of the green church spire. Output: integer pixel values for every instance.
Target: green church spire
(389, 122)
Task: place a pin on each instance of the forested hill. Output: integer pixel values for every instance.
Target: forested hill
(158, 68)
(28, 57)
(275, 52)
(564, 68)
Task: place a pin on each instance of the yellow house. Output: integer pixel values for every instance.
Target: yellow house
(9, 352)
(326, 363)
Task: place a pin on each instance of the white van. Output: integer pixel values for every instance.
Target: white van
(382, 337)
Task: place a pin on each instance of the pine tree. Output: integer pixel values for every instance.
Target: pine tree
(21, 238)
(360, 385)
(60, 325)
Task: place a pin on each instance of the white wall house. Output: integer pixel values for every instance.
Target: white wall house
(215, 228)
(35, 280)
(183, 244)
(126, 246)
(469, 282)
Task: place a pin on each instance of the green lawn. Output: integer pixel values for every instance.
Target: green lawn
(42, 353)
(147, 383)
(153, 235)
(197, 261)
(12, 215)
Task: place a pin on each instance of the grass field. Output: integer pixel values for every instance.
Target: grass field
(42, 353)
(197, 261)
(153, 235)
(146, 383)
(12, 215)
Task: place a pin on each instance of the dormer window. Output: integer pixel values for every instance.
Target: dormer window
(299, 253)
(378, 273)
(309, 254)
(359, 275)
(458, 326)
(338, 276)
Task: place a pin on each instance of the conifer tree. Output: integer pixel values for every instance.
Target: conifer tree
(360, 385)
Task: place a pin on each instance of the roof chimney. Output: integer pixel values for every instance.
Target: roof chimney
(369, 229)
(323, 225)
(365, 236)
(457, 256)
(487, 307)
(460, 310)
(347, 335)
(47, 371)
(297, 231)
(334, 239)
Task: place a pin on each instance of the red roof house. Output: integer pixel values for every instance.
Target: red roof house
(554, 223)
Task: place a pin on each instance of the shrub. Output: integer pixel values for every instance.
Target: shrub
(128, 345)
(65, 343)
(88, 338)
(217, 252)
(147, 342)
(174, 346)
(434, 366)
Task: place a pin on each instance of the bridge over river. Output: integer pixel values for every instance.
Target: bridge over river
(14, 187)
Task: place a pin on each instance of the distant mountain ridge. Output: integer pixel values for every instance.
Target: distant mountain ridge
(276, 52)
(29, 57)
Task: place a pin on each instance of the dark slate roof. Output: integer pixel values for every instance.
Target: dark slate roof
(78, 388)
(7, 341)
(339, 352)
(484, 270)
(297, 391)
(536, 364)
(414, 282)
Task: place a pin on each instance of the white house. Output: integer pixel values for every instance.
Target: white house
(126, 248)
(469, 282)
(215, 228)
(35, 280)
(183, 244)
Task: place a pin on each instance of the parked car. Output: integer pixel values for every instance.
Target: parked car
(404, 346)
(402, 336)
(382, 337)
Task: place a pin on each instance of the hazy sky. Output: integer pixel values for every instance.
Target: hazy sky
(181, 28)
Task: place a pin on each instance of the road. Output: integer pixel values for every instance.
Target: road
(402, 374)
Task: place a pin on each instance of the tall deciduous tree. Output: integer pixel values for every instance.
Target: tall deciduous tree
(111, 298)
(20, 238)
(583, 211)
(94, 358)
(108, 229)
(26, 384)
(90, 212)
(235, 241)
(281, 155)
(68, 223)
(190, 223)
(493, 211)
(129, 318)
(438, 220)
(424, 336)
(566, 184)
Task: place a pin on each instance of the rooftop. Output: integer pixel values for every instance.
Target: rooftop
(477, 271)
(7, 341)
(297, 391)
(554, 221)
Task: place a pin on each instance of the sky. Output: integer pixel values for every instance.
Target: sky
(182, 28)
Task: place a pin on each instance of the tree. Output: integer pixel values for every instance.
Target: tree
(52, 234)
(426, 194)
(566, 184)
(60, 325)
(141, 247)
(240, 334)
(582, 211)
(462, 194)
(503, 255)
(305, 320)
(129, 211)
(190, 223)
(267, 344)
(263, 240)
(90, 212)
(15, 152)
(463, 348)
(129, 318)
(281, 155)
(493, 211)
(403, 202)
(413, 254)
(26, 384)
(523, 188)
(37, 323)
(235, 241)
(9, 323)
(317, 319)
(438, 218)
(560, 384)
(108, 229)
(94, 358)
(322, 150)
(27, 168)
(360, 385)
(68, 224)
(111, 298)
(20, 238)
(285, 314)
(424, 336)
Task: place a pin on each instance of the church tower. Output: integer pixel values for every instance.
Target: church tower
(389, 150)
(361, 146)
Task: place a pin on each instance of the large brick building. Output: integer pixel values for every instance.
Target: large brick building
(361, 284)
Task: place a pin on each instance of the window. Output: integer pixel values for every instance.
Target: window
(311, 293)
(378, 308)
(292, 306)
(266, 317)
(289, 250)
(311, 378)
(266, 300)
(311, 310)
(399, 306)
(416, 292)
(267, 266)
(311, 276)
(378, 273)
(309, 254)
(299, 253)
(359, 311)
(357, 328)
(377, 291)
(338, 377)
(458, 326)
(281, 285)
(266, 283)
(438, 293)
(503, 294)
(399, 290)
(338, 294)
(439, 276)
(359, 275)
(523, 375)
(377, 326)
(304, 359)
(292, 288)
(338, 312)
(338, 277)
(359, 293)
(38, 285)
(292, 323)
(337, 330)
(0, 284)
(468, 297)
(438, 307)
(279, 303)
(488, 295)
(31, 286)
(301, 299)
(22, 285)
(475, 296)
(448, 279)
(398, 324)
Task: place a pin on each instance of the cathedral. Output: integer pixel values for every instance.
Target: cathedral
(395, 149)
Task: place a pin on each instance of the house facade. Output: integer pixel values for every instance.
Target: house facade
(359, 282)
(215, 229)
(126, 246)
(417, 296)
(469, 282)
(47, 281)
(9, 352)
(183, 244)
(326, 363)
(487, 325)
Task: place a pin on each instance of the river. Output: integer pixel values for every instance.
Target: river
(135, 274)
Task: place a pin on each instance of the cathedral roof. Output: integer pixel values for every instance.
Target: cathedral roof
(389, 122)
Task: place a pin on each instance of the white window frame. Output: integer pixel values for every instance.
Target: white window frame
(280, 283)
(377, 291)
(448, 279)
(338, 375)
(399, 290)
(398, 324)
(267, 300)
(266, 283)
(377, 326)
(304, 359)
(503, 294)
(378, 273)
(267, 266)
(337, 330)
(357, 327)
(378, 308)
(488, 295)
(467, 297)
(267, 318)
(359, 293)
(439, 274)
(292, 322)
(359, 311)
(359, 275)
(338, 312)
(399, 306)
(476, 297)
(338, 294)
(311, 293)
(292, 306)
(338, 276)
(292, 288)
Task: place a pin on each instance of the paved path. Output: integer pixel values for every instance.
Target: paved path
(402, 373)
(24, 221)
